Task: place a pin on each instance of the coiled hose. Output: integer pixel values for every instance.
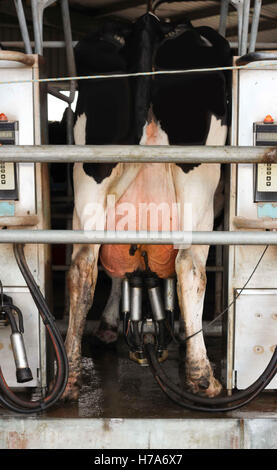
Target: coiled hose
(197, 403)
(9, 399)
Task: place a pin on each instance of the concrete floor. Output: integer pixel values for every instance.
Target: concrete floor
(122, 407)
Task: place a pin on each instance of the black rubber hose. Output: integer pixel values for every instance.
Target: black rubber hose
(272, 365)
(12, 401)
(8, 310)
(246, 395)
(47, 401)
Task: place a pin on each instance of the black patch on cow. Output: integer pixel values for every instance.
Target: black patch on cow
(117, 109)
(106, 103)
(140, 49)
(189, 99)
(98, 171)
(187, 167)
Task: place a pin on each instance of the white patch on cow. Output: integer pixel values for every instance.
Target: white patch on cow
(217, 132)
(80, 130)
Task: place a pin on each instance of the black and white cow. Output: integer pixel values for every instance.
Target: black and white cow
(188, 109)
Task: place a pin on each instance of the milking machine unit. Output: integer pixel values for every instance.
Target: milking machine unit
(24, 203)
(147, 319)
(252, 321)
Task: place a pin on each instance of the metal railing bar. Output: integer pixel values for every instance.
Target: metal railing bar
(65, 267)
(23, 26)
(61, 44)
(178, 238)
(255, 25)
(137, 154)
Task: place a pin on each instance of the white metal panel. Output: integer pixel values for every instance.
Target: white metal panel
(255, 334)
(251, 327)
(20, 102)
(257, 97)
(16, 101)
(10, 274)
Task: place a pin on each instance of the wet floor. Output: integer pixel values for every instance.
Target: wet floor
(115, 387)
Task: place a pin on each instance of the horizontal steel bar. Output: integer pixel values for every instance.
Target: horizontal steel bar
(143, 238)
(137, 154)
(61, 44)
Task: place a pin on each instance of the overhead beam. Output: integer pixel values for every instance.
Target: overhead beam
(264, 25)
(208, 12)
(109, 9)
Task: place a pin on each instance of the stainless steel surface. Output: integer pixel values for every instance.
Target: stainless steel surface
(136, 304)
(19, 351)
(126, 296)
(156, 303)
(22, 299)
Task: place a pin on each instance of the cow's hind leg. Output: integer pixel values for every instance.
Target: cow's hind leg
(191, 285)
(81, 284)
(107, 331)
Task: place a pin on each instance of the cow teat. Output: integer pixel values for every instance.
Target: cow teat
(153, 134)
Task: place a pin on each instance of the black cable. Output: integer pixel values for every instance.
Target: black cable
(183, 340)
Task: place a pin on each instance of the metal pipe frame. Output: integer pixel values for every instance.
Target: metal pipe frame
(38, 7)
(245, 26)
(137, 154)
(61, 44)
(23, 26)
(255, 25)
(99, 237)
(45, 44)
(238, 4)
(224, 9)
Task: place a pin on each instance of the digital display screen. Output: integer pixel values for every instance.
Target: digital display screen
(6, 134)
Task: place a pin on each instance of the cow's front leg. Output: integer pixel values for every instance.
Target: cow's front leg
(82, 279)
(191, 285)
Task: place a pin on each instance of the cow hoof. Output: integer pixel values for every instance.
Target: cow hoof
(72, 390)
(106, 334)
(205, 387)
